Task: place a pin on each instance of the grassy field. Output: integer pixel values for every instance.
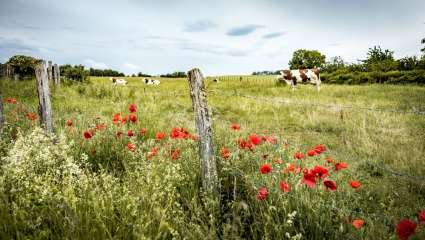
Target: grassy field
(98, 189)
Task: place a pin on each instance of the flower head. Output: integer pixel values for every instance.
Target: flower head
(319, 149)
(225, 153)
(132, 108)
(159, 136)
(421, 217)
(236, 127)
(69, 123)
(130, 133)
(284, 186)
(330, 185)
(405, 229)
(88, 134)
(299, 155)
(265, 169)
(311, 153)
(340, 165)
(130, 146)
(133, 118)
(355, 184)
(358, 223)
(175, 154)
(254, 139)
(262, 193)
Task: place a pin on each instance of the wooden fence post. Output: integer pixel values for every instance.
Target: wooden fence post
(56, 74)
(1, 114)
(45, 107)
(203, 125)
(50, 71)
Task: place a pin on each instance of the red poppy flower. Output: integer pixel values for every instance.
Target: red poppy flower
(116, 118)
(236, 127)
(358, 223)
(130, 133)
(133, 118)
(340, 165)
(179, 133)
(225, 153)
(271, 140)
(69, 123)
(421, 217)
(131, 146)
(284, 186)
(320, 172)
(405, 229)
(265, 169)
(88, 134)
(299, 155)
(124, 119)
(118, 134)
(262, 193)
(159, 136)
(10, 100)
(143, 131)
(311, 153)
(132, 108)
(330, 185)
(100, 127)
(32, 116)
(309, 179)
(175, 154)
(254, 139)
(319, 149)
(290, 167)
(355, 184)
(245, 145)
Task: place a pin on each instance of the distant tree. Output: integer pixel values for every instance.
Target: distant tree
(408, 63)
(423, 42)
(380, 60)
(23, 65)
(174, 75)
(105, 72)
(303, 58)
(334, 64)
(75, 73)
(140, 74)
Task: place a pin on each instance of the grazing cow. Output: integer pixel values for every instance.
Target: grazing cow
(216, 80)
(118, 81)
(292, 77)
(152, 81)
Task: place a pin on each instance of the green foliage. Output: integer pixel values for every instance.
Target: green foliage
(423, 42)
(23, 65)
(174, 75)
(75, 73)
(334, 64)
(140, 74)
(105, 73)
(392, 77)
(380, 60)
(303, 58)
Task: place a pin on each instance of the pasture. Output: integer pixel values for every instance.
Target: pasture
(121, 194)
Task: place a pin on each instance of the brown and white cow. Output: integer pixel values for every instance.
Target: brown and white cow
(292, 77)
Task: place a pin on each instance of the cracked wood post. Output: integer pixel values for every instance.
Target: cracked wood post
(203, 125)
(45, 107)
(56, 74)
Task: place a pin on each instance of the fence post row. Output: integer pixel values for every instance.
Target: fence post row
(203, 125)
(45, 107)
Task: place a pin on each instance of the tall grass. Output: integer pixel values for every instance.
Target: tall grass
(98, 189)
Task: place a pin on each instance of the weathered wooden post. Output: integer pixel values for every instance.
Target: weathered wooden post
(45, 107)
(56, 74)
(1, 114)
(50, 71)
(203, 125)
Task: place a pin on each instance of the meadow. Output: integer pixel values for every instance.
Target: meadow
(100, 187)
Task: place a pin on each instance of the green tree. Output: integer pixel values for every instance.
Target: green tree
(334, 64)
(423, 42)
(380, 60)
(23, 65)
(303, 58)
(408, 63)
(75, 73)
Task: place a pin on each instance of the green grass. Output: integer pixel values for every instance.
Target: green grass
(127, 196)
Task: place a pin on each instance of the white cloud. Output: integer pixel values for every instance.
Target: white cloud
(131, 66)
(93, 64)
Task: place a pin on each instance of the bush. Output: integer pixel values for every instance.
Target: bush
(393, 77)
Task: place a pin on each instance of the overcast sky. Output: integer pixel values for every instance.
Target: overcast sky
(219, 37)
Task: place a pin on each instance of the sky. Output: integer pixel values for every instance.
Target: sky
(219, 37)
